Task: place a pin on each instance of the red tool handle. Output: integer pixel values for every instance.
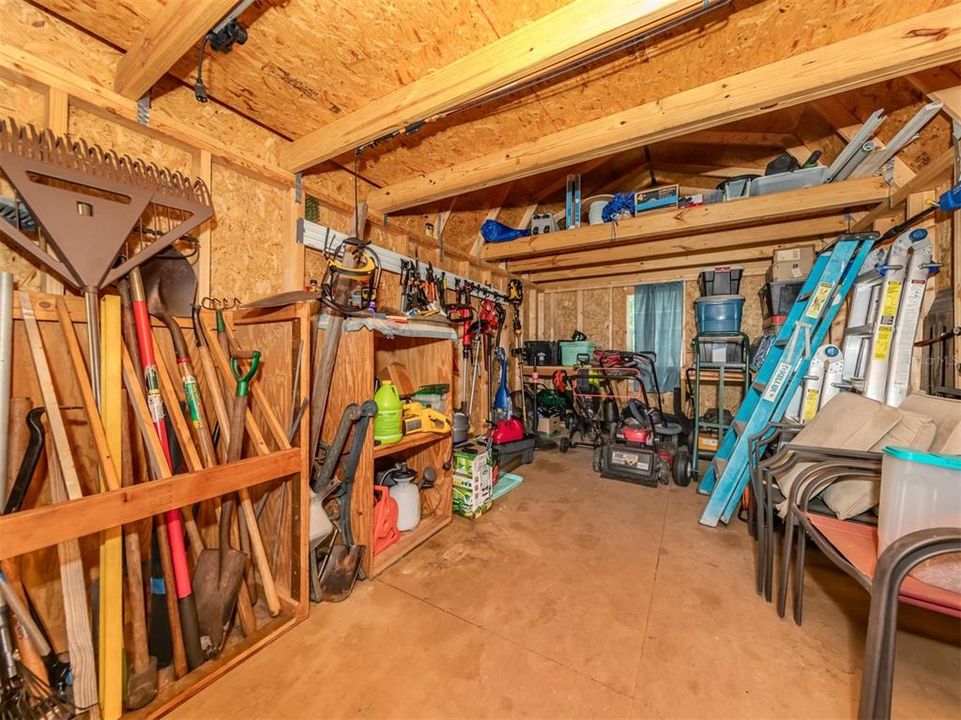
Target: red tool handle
(148, 363)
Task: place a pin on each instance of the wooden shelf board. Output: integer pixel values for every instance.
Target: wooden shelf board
(408, 443)
(408, 541)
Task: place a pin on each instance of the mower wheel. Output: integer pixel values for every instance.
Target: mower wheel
(564, 444)
(682, 467)
(596, 463)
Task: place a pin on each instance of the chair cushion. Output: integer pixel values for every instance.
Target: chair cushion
(946, 414)
(848, 498)
(847, 422)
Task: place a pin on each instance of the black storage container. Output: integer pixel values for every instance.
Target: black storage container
(722, 280)
(720, 351)
(542, 352)
(777, 298)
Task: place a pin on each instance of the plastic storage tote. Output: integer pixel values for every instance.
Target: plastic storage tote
(719, 313)
(919, 490)
(570, 350)
(720, 280)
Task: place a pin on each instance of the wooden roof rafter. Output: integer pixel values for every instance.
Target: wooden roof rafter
(179, 25)
(898, 49)
(572, 32)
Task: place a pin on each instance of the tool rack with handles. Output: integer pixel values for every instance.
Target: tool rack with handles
(362, 354)
(270, 463)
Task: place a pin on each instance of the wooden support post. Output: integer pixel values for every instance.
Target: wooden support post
(110, 655)
(203, 169)
(56, 119)
(294, 251)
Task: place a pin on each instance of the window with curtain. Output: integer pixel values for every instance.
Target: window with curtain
(658, 317)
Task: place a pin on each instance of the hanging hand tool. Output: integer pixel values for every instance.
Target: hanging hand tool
(175, 531)
(515, 296)
(219, 572)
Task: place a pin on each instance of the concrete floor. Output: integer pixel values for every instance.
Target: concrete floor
(579, 597)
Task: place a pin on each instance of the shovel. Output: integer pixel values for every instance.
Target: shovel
(219, 572)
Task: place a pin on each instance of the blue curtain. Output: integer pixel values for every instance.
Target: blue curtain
(658, 315)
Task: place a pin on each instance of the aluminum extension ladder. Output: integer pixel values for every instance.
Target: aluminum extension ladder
(828, 284)
(824, 380)
(884, 316)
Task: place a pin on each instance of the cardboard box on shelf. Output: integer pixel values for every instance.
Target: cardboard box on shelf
(548, 425)
(791, 264)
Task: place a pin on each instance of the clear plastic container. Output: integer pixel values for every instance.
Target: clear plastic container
(919, 490)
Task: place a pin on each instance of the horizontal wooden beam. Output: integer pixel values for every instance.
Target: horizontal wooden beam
(26, 67)
(921, 42)
(48, 525)
(928, 177)
(753, 267)
(764, 209)
(728, 256)
(723, 239)
(781, 141)
(178, 26)
(571, 32)
(713, 171)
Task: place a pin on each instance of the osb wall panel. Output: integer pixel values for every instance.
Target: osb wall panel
(125, 141)
(565, 315)
(596, 316)
(24, 105)
(247, 254)
(620, 316)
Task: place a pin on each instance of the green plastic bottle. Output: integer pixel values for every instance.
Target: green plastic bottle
(389, 421)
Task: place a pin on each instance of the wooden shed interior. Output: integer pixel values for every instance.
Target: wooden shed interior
(547, 188)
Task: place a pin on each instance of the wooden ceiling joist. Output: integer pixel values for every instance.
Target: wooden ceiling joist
(941, 84)
(922, 42)
(712, 241)
(751, 267)
(571, 32)
(179, 26)
(822, 199)
(687, 260)
(711, 171)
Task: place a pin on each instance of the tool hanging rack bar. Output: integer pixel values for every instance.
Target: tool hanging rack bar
(318, 237)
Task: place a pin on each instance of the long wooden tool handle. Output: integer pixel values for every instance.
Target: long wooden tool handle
(245, 609)
(65, 485)
(132, 351)
(138, 618)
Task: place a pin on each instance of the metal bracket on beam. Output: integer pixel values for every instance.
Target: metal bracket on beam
(299, 187)
(143, 110)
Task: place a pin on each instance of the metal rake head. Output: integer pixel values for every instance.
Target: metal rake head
(93, 205)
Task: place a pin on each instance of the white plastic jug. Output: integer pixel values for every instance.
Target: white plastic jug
(407, 497)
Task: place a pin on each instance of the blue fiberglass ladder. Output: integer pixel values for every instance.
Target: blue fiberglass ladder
(807, 324)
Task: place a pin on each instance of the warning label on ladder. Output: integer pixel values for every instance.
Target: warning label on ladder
(818, 300)
(889, 308)
(811, 399)
(773, 389)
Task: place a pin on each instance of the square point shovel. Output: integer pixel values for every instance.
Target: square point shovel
(219, 571)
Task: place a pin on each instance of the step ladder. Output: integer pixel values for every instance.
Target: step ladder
(863, 310)
(883, 320)
(821, 383)
(920, 268)
(831, 279)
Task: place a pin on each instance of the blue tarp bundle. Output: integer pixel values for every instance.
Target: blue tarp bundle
(495, 232)
(620, 203)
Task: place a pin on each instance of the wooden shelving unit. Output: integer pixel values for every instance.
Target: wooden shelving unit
(363, 353)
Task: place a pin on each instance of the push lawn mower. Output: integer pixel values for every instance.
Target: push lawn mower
(637, 444)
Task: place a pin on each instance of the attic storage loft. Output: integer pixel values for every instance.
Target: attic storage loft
(330, 380)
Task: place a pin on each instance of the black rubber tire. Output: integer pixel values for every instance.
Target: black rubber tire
(564, 444)
(596, 462)
(682, 467)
